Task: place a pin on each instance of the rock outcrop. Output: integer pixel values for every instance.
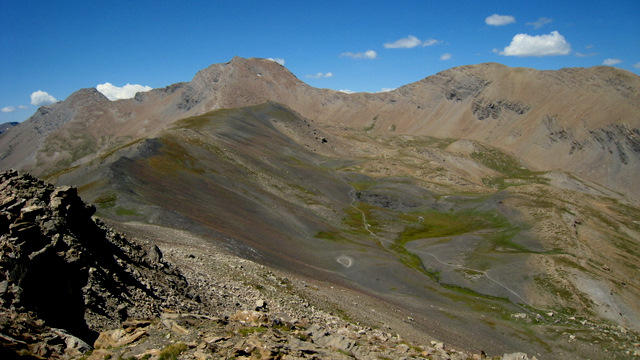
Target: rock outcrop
(62, 269)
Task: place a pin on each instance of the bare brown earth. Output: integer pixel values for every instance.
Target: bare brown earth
(492, 205)
(584, 121)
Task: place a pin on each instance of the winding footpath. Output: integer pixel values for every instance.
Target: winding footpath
(383, 240)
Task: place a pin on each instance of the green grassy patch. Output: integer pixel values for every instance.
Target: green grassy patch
(422, 141)
(119, 147)
(513, 172)
(329, 235)
(354, 218)
(172, 351)
(120, 211)
(372, 124)
(174, 157)
(252, 330)
(412, 260)
(106, 201)
(436, 224)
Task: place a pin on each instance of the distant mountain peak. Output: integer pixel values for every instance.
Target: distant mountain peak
(87, 94)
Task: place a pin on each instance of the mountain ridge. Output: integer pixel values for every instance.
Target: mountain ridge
(531, 113)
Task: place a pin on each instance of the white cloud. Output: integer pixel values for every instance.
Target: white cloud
(128, 91)
(445, 56)
(409, 42)
(406, 43)
(637, 65)
(387, 89)
(540, 22)
(579, 54)
(539, 45)
(499, 20)
(320, 75)
(430, 42)
(278, 60)
(369, 54)
(10, 108)
(42, 98)
(611, 62)
(347, 91)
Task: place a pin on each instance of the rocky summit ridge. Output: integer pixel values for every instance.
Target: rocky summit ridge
(73, 288)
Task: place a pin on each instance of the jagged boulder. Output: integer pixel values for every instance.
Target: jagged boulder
(61, 268)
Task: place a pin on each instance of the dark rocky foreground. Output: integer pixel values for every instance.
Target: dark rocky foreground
(71, 287)
(62, 269)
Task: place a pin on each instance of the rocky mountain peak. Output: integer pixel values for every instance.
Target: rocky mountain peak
(86, 95)
(240, 82)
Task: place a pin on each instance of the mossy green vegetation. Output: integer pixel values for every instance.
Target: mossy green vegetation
(251, 330)
(172, 351)
(120, 211)
(356, 216)
(175, 157)
(434, 225)
(106, 200)
(329, 235)
(513, 172)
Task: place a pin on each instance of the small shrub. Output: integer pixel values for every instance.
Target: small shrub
(171, 352)
(252, 330)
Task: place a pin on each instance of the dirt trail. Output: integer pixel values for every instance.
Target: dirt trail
(366, 226)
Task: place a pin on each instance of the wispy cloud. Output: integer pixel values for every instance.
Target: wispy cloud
(524, 45)
(41, 98)
(445, 56)
(320, 75)
(499, 20)
(579, 54)
(611, 62)
(589, 54)
(10, 108)
(405, 43)
(409, 42)
(278, 60)
(369, 54)
(347, 91)
(540, 22)
(128, 91)
(386, 90)
(637, 65)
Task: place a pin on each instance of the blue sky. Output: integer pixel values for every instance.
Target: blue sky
(50, 49)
